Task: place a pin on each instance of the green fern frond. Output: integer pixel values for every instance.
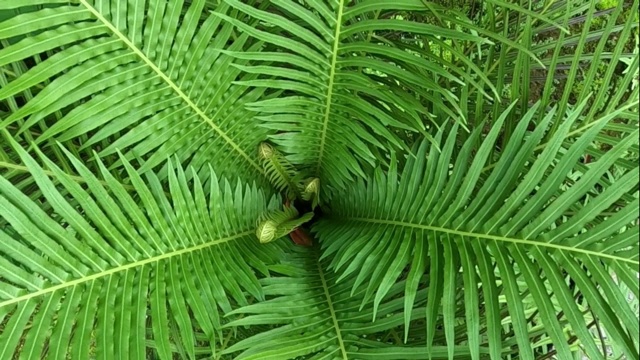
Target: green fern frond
(147, 81)
(312, 317)
(501, 228)
(110, 260)
(332, 113)
(316, 317)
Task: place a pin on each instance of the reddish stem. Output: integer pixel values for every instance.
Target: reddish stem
(300, 237)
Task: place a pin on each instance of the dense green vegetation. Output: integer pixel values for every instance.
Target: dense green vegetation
(319, 179)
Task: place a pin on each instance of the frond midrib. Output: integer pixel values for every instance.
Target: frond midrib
(506, 239)
(173, 86)
(122, 268)
(325, 287)
(332, 76)
(77, 179)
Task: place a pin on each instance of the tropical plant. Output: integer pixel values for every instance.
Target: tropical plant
(462, 197)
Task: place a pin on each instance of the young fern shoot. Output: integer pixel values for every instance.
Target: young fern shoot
(286, 179)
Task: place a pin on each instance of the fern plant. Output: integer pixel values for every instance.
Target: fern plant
(461, 198)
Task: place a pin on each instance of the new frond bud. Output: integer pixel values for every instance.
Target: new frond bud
(265, 151)
(311, 188)
(278, 223)
(266, 231)
(311, 191)
(281, 173)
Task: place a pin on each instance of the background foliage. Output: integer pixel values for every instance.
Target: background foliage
(477, 162)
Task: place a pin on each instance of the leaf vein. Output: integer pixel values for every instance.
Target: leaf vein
(122, 268)
(498, 238)
(332, 75)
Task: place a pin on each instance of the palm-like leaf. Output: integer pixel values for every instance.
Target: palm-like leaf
(103, 263)
(319, 319)
(331, 114)
(498, 229)
(145, 77)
